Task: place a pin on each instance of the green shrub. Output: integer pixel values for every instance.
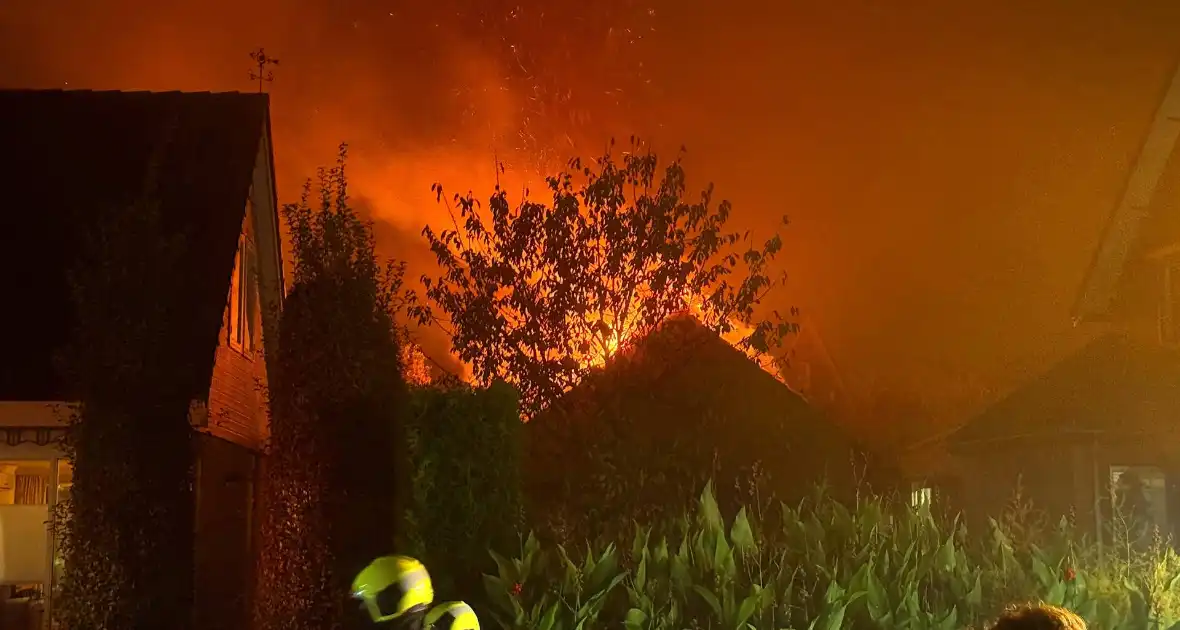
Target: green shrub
(824, 566)
(336, 394)
(465, 445)
(126, 531)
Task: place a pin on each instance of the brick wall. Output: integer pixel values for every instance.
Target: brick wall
(236, 406)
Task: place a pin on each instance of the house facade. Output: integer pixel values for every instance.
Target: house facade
(212, 161)
(1097, 434)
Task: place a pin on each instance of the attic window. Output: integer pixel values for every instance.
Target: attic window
(1169, 305)
(243, 308)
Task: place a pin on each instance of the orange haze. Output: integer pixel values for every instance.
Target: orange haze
(947, 166)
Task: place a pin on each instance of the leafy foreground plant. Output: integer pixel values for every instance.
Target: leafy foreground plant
(823, 567)
(464, 444)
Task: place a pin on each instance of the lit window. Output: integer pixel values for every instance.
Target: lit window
(921, 496)
(25, 504)
(243, 308)
(1139, 496)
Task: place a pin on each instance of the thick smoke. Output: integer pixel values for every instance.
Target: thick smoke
(947, 166)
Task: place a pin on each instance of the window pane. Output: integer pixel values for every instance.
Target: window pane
(240, 312)
(921, 496)
(24, 512)
(1139, 497)
(250, 299)
(235, 302)
(24, 482)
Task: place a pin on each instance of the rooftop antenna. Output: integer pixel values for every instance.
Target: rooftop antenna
(263, 64)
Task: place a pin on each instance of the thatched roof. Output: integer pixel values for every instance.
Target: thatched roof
(686, 397)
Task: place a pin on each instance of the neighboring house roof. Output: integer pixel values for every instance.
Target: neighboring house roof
(684, 380)
(1113, 386)
(1139, 215)
(72, 154)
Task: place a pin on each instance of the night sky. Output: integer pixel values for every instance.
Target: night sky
(948, 166)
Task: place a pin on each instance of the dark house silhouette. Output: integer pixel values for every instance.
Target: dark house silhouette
(678, 407)
(1110, 411)
(71, 156)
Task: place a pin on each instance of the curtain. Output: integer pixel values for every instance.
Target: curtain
(32, 490)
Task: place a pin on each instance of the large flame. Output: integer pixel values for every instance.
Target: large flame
(628, 333)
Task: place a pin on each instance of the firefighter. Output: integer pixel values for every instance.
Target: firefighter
(452, 616)
(398, 589)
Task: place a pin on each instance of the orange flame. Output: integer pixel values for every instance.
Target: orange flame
(620, 338)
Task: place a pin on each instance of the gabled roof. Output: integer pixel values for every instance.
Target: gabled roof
(70, 155)
(1111, 387)
(1134, 218)
(681, 381)
(676, 348)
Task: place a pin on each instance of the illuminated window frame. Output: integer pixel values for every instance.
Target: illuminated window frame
(1155, 480)
(242, 328)
(921, 496)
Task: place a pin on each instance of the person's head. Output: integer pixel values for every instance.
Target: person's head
(1038, 617)
(452, 616)
(392, 587)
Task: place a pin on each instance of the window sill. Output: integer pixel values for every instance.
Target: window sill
(240, 350)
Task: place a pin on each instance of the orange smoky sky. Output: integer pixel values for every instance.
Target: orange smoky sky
(947, 166)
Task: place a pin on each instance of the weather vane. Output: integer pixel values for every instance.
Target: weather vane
(263, 63)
